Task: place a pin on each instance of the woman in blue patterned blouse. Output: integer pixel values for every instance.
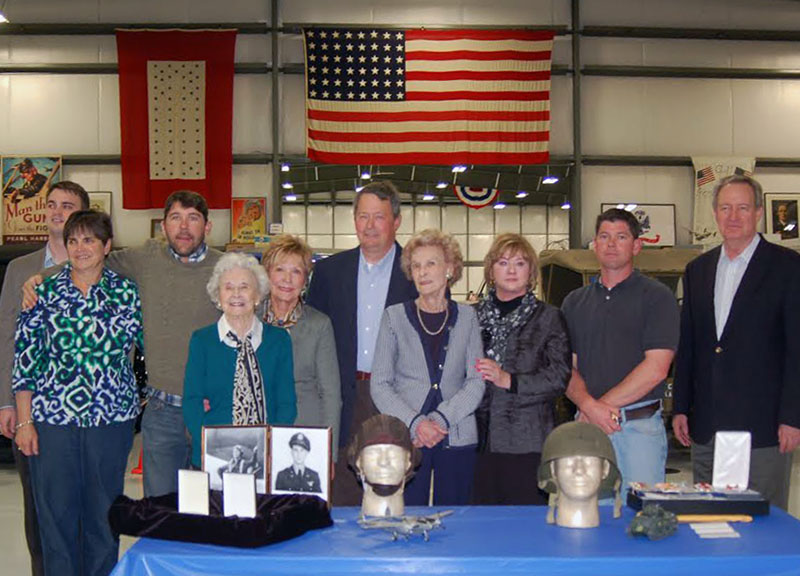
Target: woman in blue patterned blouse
(76, 398)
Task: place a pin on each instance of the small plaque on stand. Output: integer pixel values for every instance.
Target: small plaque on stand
(193, 492)
(731, 460)
(239, 494)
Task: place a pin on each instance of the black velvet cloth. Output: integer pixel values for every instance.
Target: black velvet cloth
(278, 518)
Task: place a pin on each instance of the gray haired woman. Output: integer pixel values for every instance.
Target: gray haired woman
(239, 370)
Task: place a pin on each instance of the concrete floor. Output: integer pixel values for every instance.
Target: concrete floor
(14, 552)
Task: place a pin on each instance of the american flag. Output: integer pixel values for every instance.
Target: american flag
(705, 176)
(378, 96)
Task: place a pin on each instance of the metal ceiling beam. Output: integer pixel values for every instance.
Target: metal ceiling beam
(691, 72)
(691, 33)
(109, 29)
(261, 158)
(297, 27)
(111, 68)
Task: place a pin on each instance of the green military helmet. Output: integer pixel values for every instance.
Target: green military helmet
(580, 439)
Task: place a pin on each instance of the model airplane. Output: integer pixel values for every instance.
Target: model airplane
(406, 526)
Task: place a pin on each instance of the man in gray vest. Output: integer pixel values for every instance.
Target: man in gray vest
(172, 280)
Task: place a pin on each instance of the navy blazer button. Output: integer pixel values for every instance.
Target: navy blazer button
(718, 349)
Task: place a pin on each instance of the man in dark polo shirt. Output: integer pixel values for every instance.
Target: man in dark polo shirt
(624, 330)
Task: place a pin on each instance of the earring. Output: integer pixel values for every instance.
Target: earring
(448, 276)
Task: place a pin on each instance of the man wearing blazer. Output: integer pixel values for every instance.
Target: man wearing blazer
(63, 199)
(738, 364)
(353, 288)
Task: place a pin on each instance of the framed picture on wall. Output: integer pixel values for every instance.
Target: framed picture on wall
(240, 449)
(248, 219)
(25, 181)
(155, 229)
(657, 221)
(100, 201)
(300, 460)
(781, 215)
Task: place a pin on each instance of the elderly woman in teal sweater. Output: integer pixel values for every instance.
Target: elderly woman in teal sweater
(239, 370)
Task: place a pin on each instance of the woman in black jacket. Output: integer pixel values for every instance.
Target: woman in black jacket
(528, 365)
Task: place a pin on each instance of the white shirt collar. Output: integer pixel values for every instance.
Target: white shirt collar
(380, 264)
(745, 254)
(255, 333)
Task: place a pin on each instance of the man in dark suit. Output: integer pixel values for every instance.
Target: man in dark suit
(298, 477)
(738, 364)
(63, 199)
(353, 288)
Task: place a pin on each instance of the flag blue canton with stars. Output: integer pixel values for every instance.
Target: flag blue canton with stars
(356, 65)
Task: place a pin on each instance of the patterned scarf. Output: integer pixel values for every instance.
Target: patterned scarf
(248, 386)
(291, 319)
(496, 328)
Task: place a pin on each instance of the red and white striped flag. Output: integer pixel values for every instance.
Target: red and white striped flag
(377, 96)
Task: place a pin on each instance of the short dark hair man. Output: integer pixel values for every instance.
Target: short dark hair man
(63, 199)
(172, 284)
(737, 367)
(353, 288)
(624, 333)
(298, 477)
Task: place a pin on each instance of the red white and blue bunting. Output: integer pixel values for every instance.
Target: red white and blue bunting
(476, 197)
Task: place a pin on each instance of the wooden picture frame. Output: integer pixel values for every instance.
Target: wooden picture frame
(100, 201)
(780, 214)
(285, 452)
(657, 221)
(241, 449)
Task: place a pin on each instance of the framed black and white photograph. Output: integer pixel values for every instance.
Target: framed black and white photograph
(240, 449)
(100, 201)
(657, 221)
(781, 215)
(300, 460)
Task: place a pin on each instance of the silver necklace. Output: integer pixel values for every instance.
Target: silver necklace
(444, 323)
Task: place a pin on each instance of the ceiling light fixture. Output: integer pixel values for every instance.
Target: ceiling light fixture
(522, 194)
(441, 185)
(550, 179)
(287, 186)
(428, 197)
(285, 167)
(566, 205)
(499, 205)
(458, 169)
(290, 198)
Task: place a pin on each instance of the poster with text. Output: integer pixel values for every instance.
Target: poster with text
(248, 219)
(25, 182)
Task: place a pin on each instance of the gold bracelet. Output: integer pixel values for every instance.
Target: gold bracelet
(23, 424)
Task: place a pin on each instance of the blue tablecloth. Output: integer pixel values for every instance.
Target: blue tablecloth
(487, 540)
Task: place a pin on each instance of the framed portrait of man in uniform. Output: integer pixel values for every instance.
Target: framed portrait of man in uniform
(240, 449)
(300, 460)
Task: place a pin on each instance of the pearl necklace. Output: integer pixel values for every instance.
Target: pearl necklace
(421, 323)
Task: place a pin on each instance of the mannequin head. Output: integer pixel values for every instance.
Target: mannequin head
(383, 457)
(578, 467)
(578, 479)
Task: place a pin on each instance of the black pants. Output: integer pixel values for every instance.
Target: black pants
(29, 510)
(507, 479)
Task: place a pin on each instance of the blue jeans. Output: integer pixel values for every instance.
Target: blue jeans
(641, 449)
(166, 447)
(76, 476)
